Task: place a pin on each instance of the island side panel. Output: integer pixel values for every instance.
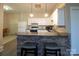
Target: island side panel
(62, 41)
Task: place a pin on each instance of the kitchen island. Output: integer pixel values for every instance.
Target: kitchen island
(61, 39)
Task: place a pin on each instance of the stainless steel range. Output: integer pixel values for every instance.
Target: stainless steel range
(34, 27)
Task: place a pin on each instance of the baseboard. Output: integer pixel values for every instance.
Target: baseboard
(1, 48)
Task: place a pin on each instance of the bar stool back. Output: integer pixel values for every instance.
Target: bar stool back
(51, 49)
(29, 48)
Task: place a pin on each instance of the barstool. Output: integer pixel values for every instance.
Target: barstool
(29, 48)
(51, 49)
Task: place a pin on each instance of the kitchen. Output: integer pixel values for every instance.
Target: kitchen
(43, 31)
(40, 24)
(39, 29)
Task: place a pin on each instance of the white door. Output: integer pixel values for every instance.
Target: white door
(74, 14)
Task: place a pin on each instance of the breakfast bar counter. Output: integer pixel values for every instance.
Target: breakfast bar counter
(61, 39)
(42, 33)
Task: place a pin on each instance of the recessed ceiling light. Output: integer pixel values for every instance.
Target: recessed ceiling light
(6, 7)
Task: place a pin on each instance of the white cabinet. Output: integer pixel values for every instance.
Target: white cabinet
(40, 21)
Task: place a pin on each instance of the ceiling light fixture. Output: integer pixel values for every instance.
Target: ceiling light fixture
(6, 7)
(31, 14)
(46, 14)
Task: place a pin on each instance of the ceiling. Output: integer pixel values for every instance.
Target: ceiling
(37, 9)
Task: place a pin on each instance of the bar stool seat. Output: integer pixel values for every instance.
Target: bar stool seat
(29, 48)
(29, 45)
(51, 49)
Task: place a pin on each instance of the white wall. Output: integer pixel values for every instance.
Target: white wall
(11, 21)
(58, 17)
(5, 21)
(54, 17)
(61, 21)
(22, 26)
(1, 27)
(67, 18)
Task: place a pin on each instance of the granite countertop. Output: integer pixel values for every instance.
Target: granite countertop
(53, 33)
(42, 33)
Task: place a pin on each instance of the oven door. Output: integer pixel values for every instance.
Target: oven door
(33, 30)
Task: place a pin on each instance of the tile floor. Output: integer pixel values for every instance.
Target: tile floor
(9, 45)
